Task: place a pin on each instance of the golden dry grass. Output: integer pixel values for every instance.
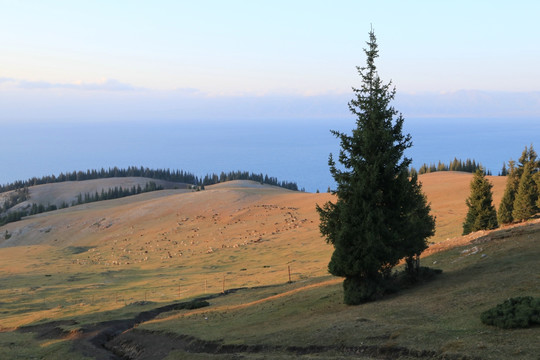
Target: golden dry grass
(171, 244)
(90, 261)
(447, 192)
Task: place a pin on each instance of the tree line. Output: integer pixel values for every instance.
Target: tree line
(211, 179)
(455, 165)
(114, 193)
(16, 197)
(521, 198)
(132, 171)
(179, 176)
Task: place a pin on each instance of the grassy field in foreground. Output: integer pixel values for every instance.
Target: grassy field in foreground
(98, 262)
(441, 315)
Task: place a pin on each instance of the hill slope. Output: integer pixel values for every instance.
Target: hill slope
(88, 263)
(67, 192)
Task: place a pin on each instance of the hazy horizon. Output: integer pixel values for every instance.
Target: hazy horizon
(99, 84)
(289, 150)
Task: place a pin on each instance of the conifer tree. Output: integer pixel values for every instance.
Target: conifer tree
(529, 191)
(381, 215)
(504, 215)
(481, 214)
(525, 204)
(504, 172)
(537, 180)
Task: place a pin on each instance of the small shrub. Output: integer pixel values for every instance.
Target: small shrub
(519, 312)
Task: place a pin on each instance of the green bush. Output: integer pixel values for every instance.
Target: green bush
(519, 312)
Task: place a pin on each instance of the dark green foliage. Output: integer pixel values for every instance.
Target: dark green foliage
(537, 180)
(504, 172)
(117, 192)
(132, 171)
(422, 274)
(159, 174)
(418, 224)
(363, 289)
(40, 208)
(455, 165)
(504, 215)
(521, 198)
(16, 197)
(12, 216)
(195, 304)
(519, 312)
(526, 197)
(381, 215)
(245, 175)
(481, 214)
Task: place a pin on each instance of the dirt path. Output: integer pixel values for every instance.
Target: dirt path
(121, 339)
(251, 303)
(91, 340)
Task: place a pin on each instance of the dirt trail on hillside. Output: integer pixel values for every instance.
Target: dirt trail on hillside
(121, 339)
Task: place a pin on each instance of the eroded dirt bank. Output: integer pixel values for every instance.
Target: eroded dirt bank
(137, 344)
(121, 339)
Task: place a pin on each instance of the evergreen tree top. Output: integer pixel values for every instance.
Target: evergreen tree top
(377, 141)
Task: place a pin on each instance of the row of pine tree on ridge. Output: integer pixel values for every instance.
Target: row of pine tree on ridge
(520, 201)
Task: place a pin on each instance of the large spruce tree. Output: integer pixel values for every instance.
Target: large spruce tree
(481, 214)
(381, 215)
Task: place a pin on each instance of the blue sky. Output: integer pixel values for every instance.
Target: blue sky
(182, 60)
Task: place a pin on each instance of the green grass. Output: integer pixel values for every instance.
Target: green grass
(25, 346)
(442, 315)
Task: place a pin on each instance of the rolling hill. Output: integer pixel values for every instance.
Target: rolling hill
(68, 191)
(75, 269)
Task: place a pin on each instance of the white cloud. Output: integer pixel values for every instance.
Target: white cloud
(102, 85)
(470, 103)
(112, 100)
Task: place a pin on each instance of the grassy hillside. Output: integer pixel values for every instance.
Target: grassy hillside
(67, 192)
(436, 319)
(447, 191)
(112, 260)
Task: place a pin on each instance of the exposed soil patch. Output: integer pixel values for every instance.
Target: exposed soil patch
(121, 339)
(91, 340)
(139, 344)
(50, 330)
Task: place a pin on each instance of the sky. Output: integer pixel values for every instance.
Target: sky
(186, 84)
(227, 60)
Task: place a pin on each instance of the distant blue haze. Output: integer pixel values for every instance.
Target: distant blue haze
(289, 150)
